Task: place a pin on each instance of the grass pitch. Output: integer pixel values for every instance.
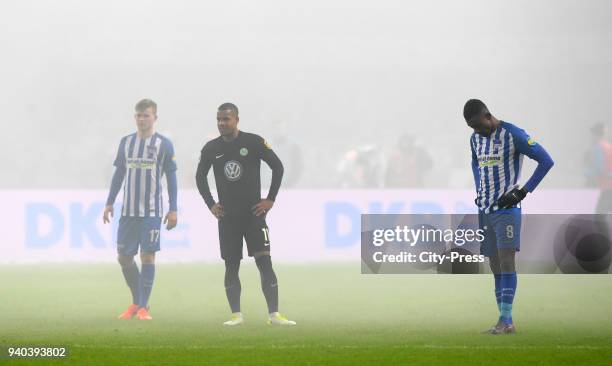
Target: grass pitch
(343, 318)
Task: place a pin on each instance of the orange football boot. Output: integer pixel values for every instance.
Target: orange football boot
(129, 313)
(143, 314)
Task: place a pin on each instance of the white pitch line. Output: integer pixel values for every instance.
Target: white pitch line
(302, 346)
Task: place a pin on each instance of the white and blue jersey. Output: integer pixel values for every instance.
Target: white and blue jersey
(143, 162)
(497, 160)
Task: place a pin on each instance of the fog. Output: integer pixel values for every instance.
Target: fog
(327, 76)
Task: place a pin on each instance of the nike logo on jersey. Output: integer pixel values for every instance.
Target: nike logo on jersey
(218, 156)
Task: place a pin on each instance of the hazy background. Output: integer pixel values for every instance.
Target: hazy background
(328, 76)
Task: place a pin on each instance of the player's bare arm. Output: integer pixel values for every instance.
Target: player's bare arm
(170, 220)
(262, 207)
(217, 210)
(108, 214)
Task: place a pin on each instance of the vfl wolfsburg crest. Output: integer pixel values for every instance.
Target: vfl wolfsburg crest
(244, 151)
(232, 170)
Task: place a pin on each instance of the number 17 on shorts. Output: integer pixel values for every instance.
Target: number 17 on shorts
(266, 236)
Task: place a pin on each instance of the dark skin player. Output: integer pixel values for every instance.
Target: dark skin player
(227, 123)
(485, 124)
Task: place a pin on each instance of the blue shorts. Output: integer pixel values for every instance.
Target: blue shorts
(502, 229)
(137, 232)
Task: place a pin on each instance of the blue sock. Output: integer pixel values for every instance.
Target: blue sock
(147, 275)
(132, 278)
(498, 291)
(508, 289)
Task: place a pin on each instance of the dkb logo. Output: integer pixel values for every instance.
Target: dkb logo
(233, 170)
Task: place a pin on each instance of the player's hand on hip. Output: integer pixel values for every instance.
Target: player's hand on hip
(217, 210)
(170, 220)
(108, 210)
(512, 198)
(262, 207)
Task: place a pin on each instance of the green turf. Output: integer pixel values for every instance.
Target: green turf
(343, 318)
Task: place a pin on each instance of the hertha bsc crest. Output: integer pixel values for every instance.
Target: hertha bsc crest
(233, 170)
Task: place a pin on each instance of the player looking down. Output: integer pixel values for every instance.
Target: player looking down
(498, 148)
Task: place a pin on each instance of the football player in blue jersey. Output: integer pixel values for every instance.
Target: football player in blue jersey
(143, 158)
(498, 148)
